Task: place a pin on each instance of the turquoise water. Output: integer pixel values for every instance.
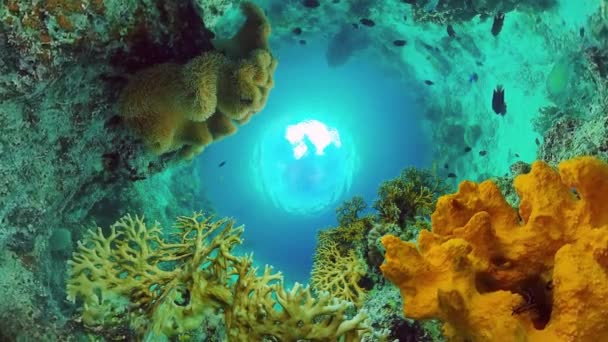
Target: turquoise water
(379, 131)
(322, 127)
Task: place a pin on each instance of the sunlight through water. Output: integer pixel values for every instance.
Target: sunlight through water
(304, 167)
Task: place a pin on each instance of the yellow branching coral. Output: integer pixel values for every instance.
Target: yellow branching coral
(132, 274)
(187, 107)
(264, 310)
(351, 236)
(493, 275)
(134, 280)
(338, 274)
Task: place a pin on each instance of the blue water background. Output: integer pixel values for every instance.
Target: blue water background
(361, 99)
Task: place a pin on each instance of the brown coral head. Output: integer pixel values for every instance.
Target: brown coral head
(245, 88)
(252, 35)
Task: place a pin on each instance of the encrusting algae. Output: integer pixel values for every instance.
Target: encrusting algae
(492, 274)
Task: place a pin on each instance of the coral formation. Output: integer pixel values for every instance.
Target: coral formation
(442, 12)
(569, 137)
(133, 265)
(186, 107)
(135, 283)
(253, 315)
(413, 193)
(375, 250)
(384, 309)
(338, 273)
(492, 274)
(348, 211)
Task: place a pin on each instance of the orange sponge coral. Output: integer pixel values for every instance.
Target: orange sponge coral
(494, 275)
(174, 107)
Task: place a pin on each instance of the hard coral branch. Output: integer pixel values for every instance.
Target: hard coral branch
(337, 273)
(135, 280)
(135, 265)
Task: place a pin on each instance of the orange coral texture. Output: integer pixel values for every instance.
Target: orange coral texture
(476, 270)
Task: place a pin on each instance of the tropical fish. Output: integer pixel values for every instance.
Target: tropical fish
(451, 31)
(473, 77)
(311, 3)
(498, 101)
(497, 24)
(367, 22)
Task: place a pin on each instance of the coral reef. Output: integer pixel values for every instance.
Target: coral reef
(254, 316)
(348, 212)
(135, 283)
(568, 138)
(384, 304)
(413, 193)
(186, 107)
(61, 67)
(338, 273)
(375, 250)
(492, 274)
(133, 265)
(443, 11)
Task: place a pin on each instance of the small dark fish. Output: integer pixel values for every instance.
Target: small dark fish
(405, 18)
(428, 82)
(473, 77)
(451, 175)
(516, 155)
(483, 153)
(297, 31)
(411, 2)
(479, 63)
(302, 42)
(467, 149)
(355, 26)
(399, 42)
(537, 141)
(499, 20)
(428, 46)
(367, 22)
(222, 164)
(451, 31)
(311, 3)
(582, 32)
(446, 166)
(498, 101)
